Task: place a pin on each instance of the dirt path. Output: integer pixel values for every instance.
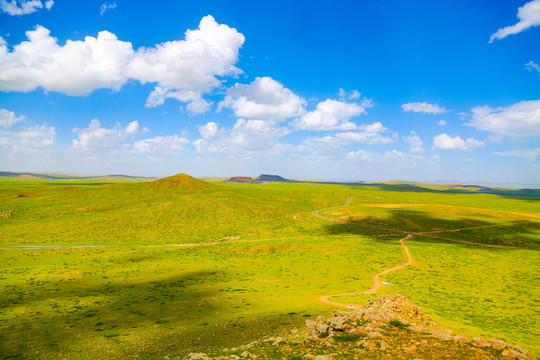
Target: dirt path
(376, 281)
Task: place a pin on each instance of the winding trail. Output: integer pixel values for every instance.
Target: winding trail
(376, 282)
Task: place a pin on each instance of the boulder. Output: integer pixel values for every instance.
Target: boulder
(478, 341)
(441, 335)
(497, 344)
(374, 335)
(462, 339)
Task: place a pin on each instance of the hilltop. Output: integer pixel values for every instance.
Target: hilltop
(389, 327)
(183, 182)
(266, 177)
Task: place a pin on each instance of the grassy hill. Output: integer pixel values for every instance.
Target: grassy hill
(180, 265)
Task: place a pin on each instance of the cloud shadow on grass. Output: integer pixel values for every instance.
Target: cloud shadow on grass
(522, 234)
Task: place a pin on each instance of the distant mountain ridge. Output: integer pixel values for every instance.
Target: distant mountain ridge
(266, 177)
(48, 176)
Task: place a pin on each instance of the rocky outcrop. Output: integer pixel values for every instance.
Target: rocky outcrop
(388, 327)
(240, 179)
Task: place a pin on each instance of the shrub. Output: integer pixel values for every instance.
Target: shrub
(348, 337)
(398, 324)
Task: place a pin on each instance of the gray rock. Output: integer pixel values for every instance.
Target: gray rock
(497, 344)
(322, 327)
(374, 335)
(323, 357)
(337, 323)
(441, 335)
(310, 324)
(512, 354)
(198, 356)
(479, 342)
(462, 339)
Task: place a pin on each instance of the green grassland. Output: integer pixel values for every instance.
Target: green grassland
(182, 265)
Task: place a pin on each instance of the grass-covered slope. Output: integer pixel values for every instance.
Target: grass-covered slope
(179, 265)
(178, 209)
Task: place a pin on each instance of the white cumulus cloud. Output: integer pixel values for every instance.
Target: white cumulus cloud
(529, 154)
(528, 15)
(415, 143)
(28, 139)
(263, 99)
(183, 69)
(442, 123)
(387, 156)
(8, 118)
(518, 120)
(77, 68)
(332, 115)
(423, 107)
(195, 102)
(23, 7)
(160, 145)
(193, 64)
(245, 137)
(446, 142)
(95, 137)
(365, 137)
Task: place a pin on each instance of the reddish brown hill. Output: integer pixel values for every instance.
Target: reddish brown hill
(183, 182)
(240, 179)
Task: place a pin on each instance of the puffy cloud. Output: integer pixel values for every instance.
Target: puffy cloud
(352, 95)
(332, 115)
(95, 137)
(519, 120)
(132, 128)
(184, 69)
(194, 99)
(77, 68)
(415, 143)
(446, 142)
(8, 118)
(335, 144)
(529, 154)
(528, 15)
(105, 7)
(364, 137)
(373, 128)
(28, 138)
(366, 155)
(423, 107)
(263, 99)
(246, 136)
(160, 145)
(192, 64)
(442, 123)
(23, 7)
(532, 67)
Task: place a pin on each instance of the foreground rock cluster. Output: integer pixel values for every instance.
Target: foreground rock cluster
(390, 327)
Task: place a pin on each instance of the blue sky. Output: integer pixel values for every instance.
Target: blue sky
(358, 90)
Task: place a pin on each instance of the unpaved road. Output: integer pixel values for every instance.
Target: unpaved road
(376, 281)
